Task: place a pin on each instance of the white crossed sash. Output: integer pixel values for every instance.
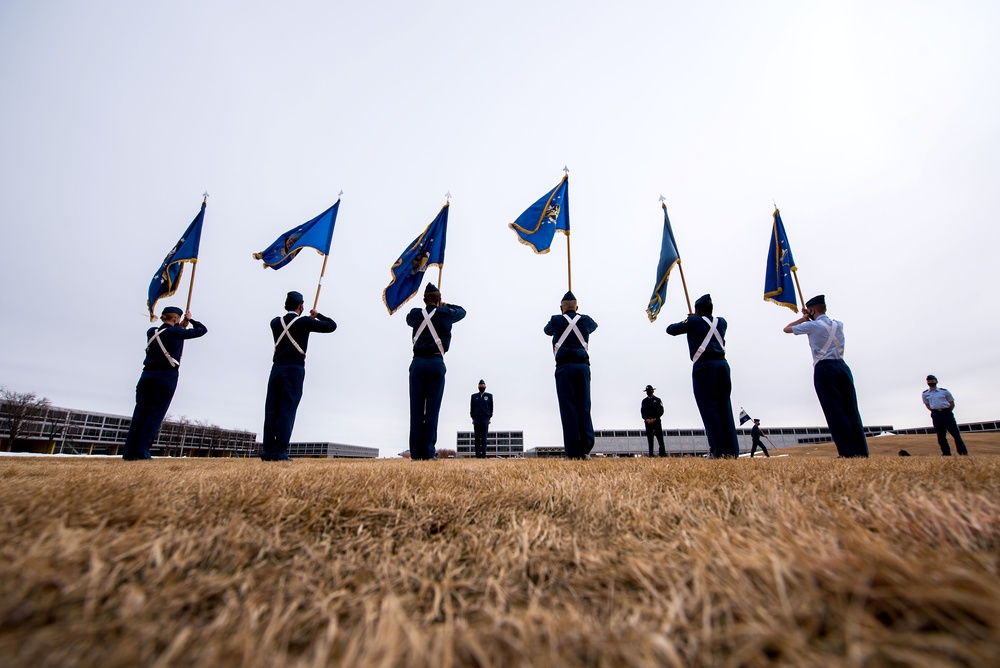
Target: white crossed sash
(286, 326)
(572, 328)
(429, 326)
(713, 330)
(831, 339)
(156, 337)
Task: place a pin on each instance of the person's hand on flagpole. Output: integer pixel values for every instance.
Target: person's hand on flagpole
(187, 319)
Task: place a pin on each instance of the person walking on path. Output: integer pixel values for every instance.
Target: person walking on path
(755, 434)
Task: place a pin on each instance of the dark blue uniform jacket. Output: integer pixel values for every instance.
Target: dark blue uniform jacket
(284, 351)
(173, 337)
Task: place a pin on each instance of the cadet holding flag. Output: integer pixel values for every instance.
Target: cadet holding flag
(710, 375)
(156, 386)
(431, 340)
(288, 373)
(570, 332)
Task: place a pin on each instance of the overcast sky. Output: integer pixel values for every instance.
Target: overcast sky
(873, 125)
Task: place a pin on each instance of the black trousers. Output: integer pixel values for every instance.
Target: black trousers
(655, 428)
(480, 430)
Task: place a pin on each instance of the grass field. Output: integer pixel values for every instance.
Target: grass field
(793, 561)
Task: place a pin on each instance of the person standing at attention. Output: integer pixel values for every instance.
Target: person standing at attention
(652, 411)
(431, 339)
(288, 373)
(832, 378)
(158, 381)
(941, 404)
(481, 412)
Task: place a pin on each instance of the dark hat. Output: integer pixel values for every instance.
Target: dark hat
(650, 387)
(294, 296)
(817, 300)
(171, 309)
(756, 419)
(704, 299)
(569, 296)
(482, 382)
(430, 289)
(931, 377)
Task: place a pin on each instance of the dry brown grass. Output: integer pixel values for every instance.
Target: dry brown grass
(789, 561)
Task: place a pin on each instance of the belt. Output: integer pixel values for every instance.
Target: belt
(940, 410)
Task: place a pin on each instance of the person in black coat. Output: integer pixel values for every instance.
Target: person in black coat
(481, 412)
(755, 442)
(652, 411)
(156, 386)
(288, 373)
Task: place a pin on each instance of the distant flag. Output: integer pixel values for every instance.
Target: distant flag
(744, 418)
(779, 284)
(317, 233)
(168, 277)
(669, 256)
(537, 226)
(427, 250)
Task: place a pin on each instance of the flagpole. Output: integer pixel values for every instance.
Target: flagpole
(569, 264)
(680, 268)
(194, 265)
(795, 275)
(319, 286)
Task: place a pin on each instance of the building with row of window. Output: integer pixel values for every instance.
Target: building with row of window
(501, 444)
(692, 442)
(68, 431)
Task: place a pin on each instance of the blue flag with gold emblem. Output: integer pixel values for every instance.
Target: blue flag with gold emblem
(426, 251)
(537, 226)
(168, 277)
(669, 256)
(779, 284)
(317, 233)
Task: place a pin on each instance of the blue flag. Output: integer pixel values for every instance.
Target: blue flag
(426, 251)
(317, 233)
(744, 418)
(668, 258)
(168, 277)
(779, 285)
(537, 226)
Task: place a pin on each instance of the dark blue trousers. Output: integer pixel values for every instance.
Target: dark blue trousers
(284, 392)
(573, 391)
(480, 430)
(834, 385)
(153, 393)
(944, 423)
(426, 392)
(712, 389)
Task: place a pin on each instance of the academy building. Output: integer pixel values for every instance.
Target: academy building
(692, 442)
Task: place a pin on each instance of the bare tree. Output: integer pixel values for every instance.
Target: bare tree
(17, 410)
